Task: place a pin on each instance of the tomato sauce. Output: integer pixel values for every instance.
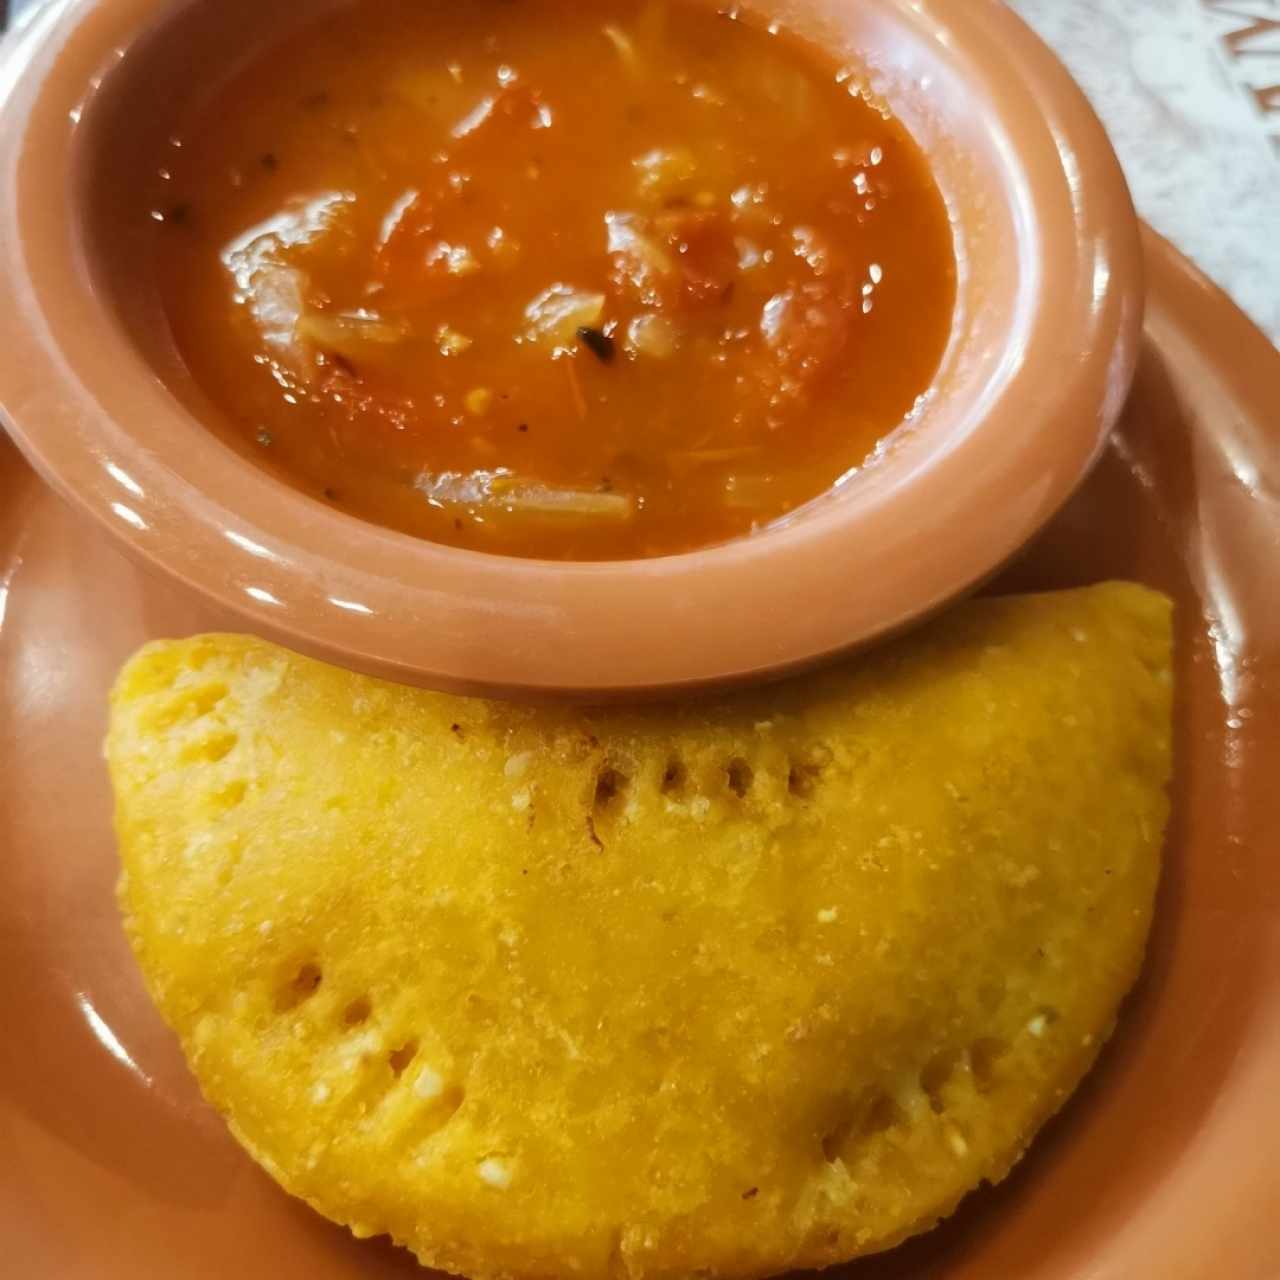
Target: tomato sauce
(543, 278)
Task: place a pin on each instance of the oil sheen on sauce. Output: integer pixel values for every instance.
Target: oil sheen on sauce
(550, 279)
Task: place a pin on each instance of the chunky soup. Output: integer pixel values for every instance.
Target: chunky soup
(547, 278)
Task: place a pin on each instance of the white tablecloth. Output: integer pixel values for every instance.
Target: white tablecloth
(1190, 91)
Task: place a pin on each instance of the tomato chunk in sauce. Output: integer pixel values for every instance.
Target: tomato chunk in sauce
(552, 279)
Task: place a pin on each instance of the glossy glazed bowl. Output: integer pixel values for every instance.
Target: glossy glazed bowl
(1041, 357)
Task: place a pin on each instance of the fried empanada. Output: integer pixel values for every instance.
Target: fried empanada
(730, 987)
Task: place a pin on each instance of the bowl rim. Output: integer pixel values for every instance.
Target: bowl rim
(331, 585)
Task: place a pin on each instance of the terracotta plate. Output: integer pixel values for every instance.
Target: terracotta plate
(1168, 1163)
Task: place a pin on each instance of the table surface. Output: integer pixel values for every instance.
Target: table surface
(1190, 91)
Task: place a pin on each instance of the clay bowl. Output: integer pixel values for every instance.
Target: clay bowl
(1040, 359)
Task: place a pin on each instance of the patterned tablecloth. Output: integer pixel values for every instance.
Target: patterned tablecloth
(1190, 90)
